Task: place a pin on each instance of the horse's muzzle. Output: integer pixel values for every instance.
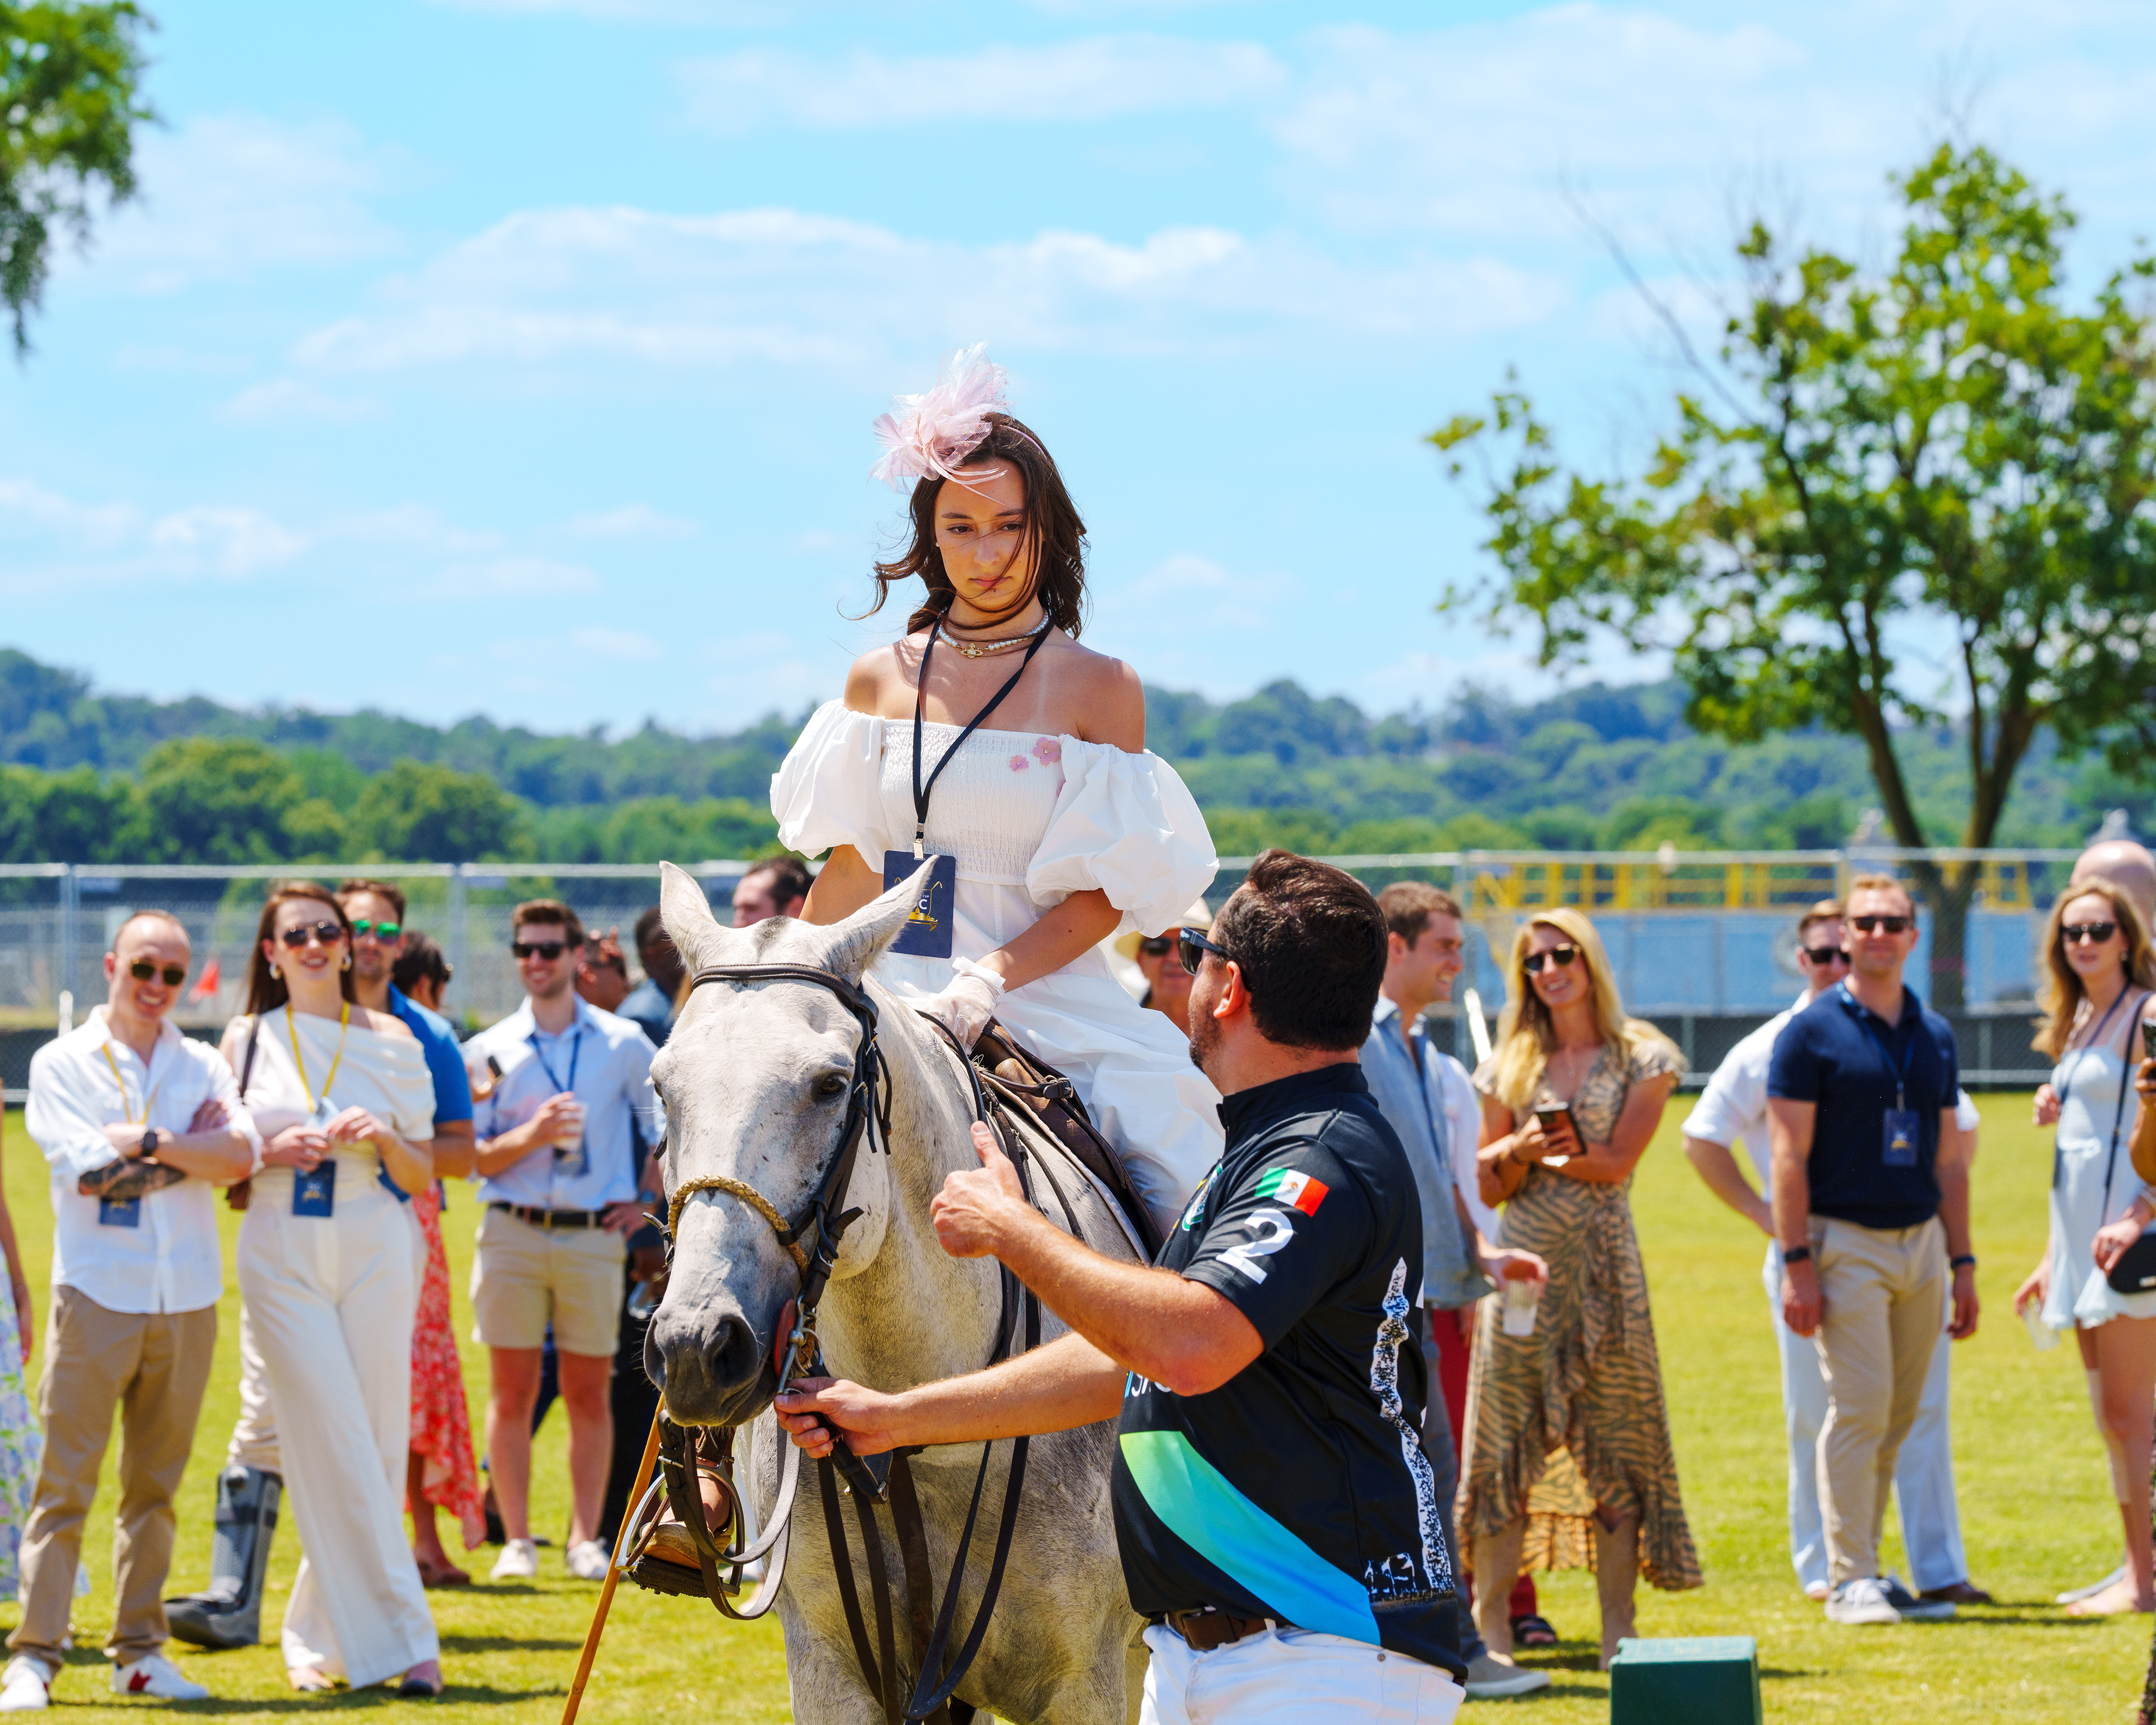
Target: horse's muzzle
(709, 1367)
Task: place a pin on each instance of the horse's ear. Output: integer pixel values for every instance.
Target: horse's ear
(852, 946)
(690, 923)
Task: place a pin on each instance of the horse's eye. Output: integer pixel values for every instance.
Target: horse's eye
(832, 1083)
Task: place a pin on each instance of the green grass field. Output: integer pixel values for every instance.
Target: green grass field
(2035, 1494)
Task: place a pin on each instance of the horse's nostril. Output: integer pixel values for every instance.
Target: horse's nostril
(733, 1356)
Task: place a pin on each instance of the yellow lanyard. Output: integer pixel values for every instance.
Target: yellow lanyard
(107, 1051)
(344, 1025)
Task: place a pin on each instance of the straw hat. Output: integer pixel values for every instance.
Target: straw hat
(1126, 944)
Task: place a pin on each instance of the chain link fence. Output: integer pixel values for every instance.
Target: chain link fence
(1703, 941)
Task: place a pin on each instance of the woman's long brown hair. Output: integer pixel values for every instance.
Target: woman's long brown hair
(266, 993)
(1055, 535)
(2061, 994)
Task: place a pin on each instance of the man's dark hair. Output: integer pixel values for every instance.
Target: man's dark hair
(547, 910)
(421, 958)
(1409, 905)
(651, 926)
(790, 878)
(1310, 941)
(380, 889)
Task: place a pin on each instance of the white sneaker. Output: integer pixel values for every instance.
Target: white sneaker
(1863, 1601)
(155, 1675)
(26, 1686)
(587, 1559)
(1491, 1677)
(1914, 1609)
(519, 1561)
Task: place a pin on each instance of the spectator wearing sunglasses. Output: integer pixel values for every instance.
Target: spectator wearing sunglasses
(1871, 1200)
(1571, 1096)
(562, 1162)
(2100, 986)
(421, 974)
(139, 1122)
(1733, 1109)
(1167, 982)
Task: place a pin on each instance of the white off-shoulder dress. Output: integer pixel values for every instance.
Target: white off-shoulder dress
(1032, 819)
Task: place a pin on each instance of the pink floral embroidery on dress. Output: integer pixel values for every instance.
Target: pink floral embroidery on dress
(1018, 763)
(1048, 750)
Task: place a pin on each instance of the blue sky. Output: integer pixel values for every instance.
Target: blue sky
(518, 356)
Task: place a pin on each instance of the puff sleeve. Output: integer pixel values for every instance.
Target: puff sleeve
(1127, 825)
(826, 791)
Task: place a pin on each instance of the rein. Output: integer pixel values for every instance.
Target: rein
(869, 1481)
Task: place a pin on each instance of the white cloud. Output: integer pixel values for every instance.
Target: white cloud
(511, 578)
(630, 286)
(627, 645)
(228, 196)
(230, 543)
(28, 508)
(635, 520)
(1096, 78)
(285, 400)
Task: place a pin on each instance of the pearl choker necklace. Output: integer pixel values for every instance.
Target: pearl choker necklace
(982, 650)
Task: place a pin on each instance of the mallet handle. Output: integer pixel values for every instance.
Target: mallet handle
(606, 1592)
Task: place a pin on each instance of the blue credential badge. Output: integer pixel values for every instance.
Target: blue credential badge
(1898, 1148)
(927, 932)
(119, 1213)
(314, 1189)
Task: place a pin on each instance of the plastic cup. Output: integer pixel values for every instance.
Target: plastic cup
(2042, 1333)
(1521, 1297)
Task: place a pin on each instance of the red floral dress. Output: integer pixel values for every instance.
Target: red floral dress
(441, 1424)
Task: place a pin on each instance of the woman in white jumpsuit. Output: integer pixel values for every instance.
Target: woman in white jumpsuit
(344, 1103)
(1062, 828)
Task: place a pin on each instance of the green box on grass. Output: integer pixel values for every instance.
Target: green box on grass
(1685, 1679)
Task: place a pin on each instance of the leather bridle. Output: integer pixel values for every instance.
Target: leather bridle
(823, 1221)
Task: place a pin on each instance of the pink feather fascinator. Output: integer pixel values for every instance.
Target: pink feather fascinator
(931, 434)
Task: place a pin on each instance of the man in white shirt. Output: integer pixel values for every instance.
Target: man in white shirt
(1733, 1108)
(148, 1122)
(559, 1176)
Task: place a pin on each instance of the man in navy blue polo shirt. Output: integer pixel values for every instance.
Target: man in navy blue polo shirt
(1861, 1093)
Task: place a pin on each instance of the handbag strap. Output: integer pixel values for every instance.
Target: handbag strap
(2118, 1111)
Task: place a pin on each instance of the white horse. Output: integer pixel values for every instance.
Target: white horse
(755, 1080)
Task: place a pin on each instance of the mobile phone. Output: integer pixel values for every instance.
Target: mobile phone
(2149, 1037)
(1551, 1118)
(494, 1065)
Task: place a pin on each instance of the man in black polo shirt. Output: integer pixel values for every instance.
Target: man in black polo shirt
(1276, 1516)
(1860, 1096)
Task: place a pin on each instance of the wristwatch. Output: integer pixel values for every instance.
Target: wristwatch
(150, 1141)
(1796, 1255)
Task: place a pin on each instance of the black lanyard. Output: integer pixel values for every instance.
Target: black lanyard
(576, 1048)
(1864, 1017)
(920, 692)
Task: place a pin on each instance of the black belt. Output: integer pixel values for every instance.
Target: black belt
(552, 1218)
(1206, 1629)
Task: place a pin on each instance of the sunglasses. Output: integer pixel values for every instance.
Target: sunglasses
(364, 929)
(1892, 924)
(2095, 933)
(1192, 947)
(142, 970)
(1154, 946)
(1562, 957)
(1826, 955)
(547, 951)
(327, 933)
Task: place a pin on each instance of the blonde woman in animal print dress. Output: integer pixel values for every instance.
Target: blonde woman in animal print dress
(1586, 1387)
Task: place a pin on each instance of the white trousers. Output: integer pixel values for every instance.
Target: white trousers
(1293, 1676)
(1923, 1471)
(330, 1301)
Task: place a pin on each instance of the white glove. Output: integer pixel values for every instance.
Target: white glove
(965, 1007)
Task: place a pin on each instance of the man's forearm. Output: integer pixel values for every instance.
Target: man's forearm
(1953, 1208)
(494, 1156)
(1151, 1322)
(219, 1157)
(1716, 1165)
(1068, 1383)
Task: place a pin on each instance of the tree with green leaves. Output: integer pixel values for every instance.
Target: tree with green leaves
(69, 102)
(1918, 498)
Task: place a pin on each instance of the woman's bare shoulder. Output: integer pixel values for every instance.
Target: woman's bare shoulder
(881, 681)
(383, 1023)
(1109, 694)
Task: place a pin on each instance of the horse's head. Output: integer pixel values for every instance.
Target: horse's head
(755, 1080)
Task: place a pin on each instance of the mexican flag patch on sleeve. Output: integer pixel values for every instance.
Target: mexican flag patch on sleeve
(1296, 1190)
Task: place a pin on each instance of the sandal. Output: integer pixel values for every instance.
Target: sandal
(1530, 1631)
(443, 1575)
(310, 1679)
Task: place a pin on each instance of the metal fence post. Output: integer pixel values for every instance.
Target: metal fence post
(459, 946)
(70, 918)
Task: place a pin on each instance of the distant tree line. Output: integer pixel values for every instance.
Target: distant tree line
(86, 778)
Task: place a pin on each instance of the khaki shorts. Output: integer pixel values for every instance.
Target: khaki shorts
(523, 1274)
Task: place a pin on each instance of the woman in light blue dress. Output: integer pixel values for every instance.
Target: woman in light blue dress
(2102, 984)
